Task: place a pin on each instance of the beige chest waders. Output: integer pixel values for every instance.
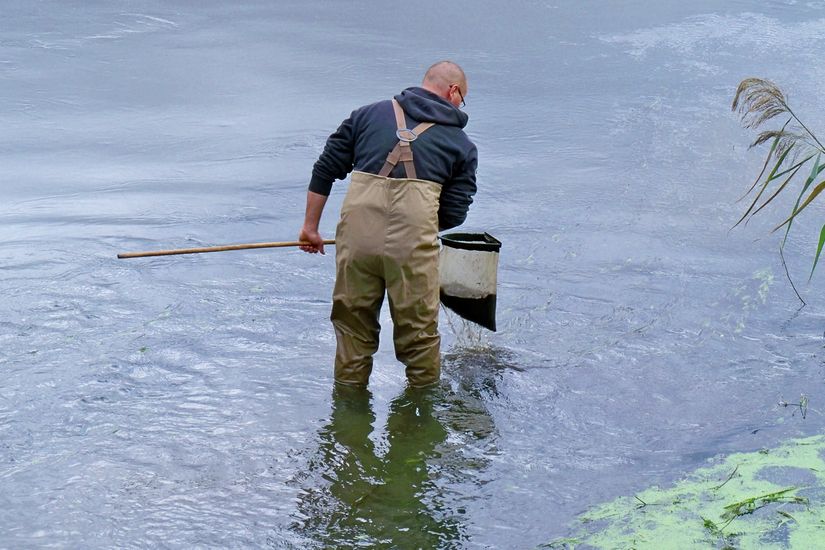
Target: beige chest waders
(387, 241)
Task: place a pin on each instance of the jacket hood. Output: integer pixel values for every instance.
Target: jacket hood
(425, 106)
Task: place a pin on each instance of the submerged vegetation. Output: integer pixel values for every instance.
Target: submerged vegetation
(794, 147)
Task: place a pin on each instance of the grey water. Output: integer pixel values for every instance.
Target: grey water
(188, 402)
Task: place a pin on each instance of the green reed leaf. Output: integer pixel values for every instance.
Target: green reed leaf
(764, 167)
(818, 251)
(779, 190)
(794, 167)
(765, 185)
(817, 190)
(815, 170)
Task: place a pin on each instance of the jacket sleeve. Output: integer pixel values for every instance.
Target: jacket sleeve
(336, 160)
(457, 194)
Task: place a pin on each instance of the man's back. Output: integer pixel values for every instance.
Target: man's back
(444, 154)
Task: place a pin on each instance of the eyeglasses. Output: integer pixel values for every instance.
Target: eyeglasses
(458, 89)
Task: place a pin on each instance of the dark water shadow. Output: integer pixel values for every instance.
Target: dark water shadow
(477, 370)
(410, 484)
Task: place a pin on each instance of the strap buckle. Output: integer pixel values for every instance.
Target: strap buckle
(406, 135)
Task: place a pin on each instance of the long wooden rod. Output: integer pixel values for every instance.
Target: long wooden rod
(214, 249)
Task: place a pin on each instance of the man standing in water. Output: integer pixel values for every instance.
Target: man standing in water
(413, 174)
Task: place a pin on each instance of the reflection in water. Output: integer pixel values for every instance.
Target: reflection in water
(398, 489)
(366, 498)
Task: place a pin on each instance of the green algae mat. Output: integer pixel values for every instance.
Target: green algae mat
(763, 500)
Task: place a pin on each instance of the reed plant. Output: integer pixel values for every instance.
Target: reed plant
(794, 149)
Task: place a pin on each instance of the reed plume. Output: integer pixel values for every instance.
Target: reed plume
(758, 101)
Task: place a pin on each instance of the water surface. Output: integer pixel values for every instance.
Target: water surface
(188, 401)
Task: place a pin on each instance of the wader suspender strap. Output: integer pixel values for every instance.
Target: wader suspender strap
(402, 151)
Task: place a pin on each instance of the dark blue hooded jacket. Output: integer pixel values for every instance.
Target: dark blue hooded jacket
(443, 154)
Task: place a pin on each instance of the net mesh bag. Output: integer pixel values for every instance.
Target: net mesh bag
(468, 269)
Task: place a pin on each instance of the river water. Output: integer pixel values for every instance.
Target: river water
(188, 402)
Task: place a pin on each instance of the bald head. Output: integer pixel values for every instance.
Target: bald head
(444, 78)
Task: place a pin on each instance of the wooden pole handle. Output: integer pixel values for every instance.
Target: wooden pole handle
(222, 248)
